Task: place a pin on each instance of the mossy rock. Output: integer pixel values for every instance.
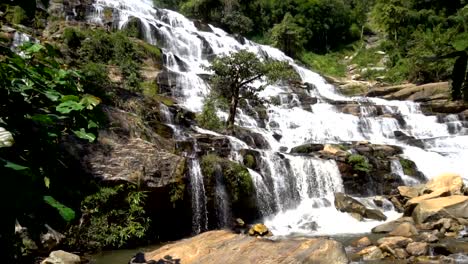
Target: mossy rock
(249, 161)
(162, 129)
(307, 148)
(409, 167)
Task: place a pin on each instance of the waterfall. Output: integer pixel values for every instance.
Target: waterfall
(294, 193)
(199, 212)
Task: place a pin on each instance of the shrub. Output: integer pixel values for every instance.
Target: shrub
(328, 64)
(16, 15)
(359, 163)
(112, 217)
(208, 118)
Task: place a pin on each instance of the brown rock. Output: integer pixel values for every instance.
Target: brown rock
(448, 181)
(396, 203)
(428, 237)
(357, 216)
(417, 248)
(435, 194)
(222, 246)
(404, 229)
(400, 253)
(371, 253)
(362, 242)
(390, 226)
(408, 192)
(434, 209)
(394, 241)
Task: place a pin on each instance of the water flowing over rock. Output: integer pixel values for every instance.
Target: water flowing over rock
(294, 190)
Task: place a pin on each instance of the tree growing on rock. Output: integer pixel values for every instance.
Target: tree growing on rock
(242, 75)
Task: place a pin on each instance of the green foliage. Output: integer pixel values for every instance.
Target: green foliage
(66, 212)
(328, 64)
(234, 75)
(112, 217)
(16, 15)
(288, 36)
(249, 161)
(208, 118)
(408, 167)
(359, 163)
(237, 178)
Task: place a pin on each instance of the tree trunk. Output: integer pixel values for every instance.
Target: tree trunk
(232, 112)
(465, 87)
(458, 76)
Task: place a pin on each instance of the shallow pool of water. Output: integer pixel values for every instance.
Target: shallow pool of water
(120, 256)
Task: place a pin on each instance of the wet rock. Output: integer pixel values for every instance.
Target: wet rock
(201, 26)
(405, 229)
(378, 201)
(434, 209)
(311, 226)
(413, 202)
(259, 230)
(362, 242)
(428, 237)
(62, 257)
(400, 253)
(390, 226)
(252, 139)
(356, 216)
(410, 140)
(225, 247)
(51, 239)
(371, 253)
(417, 248)
(307, 148)
(347, 204)
(397, 204)
(394, 241)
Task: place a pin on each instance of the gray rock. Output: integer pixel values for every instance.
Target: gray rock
(62, 257)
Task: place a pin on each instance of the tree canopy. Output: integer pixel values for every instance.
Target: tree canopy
(242, 75)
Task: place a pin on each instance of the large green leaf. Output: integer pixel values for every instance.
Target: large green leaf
(68, 106)
(85, 135)
(15, 166)
(66, 212)
(90, 101)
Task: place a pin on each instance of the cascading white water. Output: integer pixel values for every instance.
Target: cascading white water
(294, 192)
(199, 212)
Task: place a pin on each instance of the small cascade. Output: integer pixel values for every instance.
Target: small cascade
(396, 168)
(199, 212)
(222, 201)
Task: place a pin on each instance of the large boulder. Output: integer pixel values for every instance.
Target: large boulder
(394, 241)
(450, 182)
(350, 205)
(417, 248)
(392, 225)
(225, 247)
(434, 209)
(405, 229)
(62, 257)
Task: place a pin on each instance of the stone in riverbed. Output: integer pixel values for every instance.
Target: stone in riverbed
(417, 248)
(362, 242)
(394, 241)
(390, 226)
(62, 257)
(222, 246)
(371, 253)
(345, 203)
(404, 229)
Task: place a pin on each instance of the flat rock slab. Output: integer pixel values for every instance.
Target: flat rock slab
(225, 247)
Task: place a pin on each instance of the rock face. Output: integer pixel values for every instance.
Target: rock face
(225, 247)
(350, 205)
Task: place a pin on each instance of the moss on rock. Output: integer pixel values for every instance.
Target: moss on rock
(409, 167)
